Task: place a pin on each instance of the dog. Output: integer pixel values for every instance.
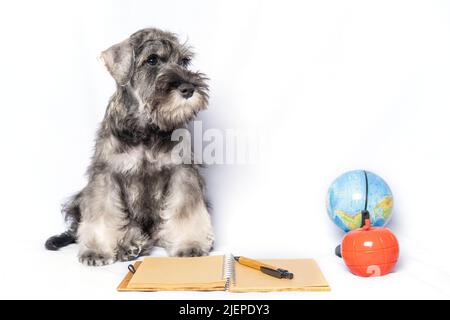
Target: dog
(138, 196)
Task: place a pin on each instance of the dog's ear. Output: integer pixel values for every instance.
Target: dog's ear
(119, 60)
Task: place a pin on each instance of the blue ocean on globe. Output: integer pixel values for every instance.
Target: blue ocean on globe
(347, 197)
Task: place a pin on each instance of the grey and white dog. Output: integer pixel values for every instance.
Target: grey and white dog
(138, 195)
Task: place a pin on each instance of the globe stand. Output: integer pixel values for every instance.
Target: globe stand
(364, 216)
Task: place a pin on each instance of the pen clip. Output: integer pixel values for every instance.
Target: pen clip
(277, 273)
(271, 272)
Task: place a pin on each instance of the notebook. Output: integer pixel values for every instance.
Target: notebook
(220, 273)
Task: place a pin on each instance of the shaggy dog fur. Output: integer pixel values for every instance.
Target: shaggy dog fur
(138, 195)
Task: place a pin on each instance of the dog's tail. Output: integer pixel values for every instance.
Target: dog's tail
(59, 241)
(72, 214)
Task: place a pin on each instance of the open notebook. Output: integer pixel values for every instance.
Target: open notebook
(220, 273)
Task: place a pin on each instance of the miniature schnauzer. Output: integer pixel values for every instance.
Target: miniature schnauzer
(138, 195)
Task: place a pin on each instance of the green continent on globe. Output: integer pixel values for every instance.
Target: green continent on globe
(384, 207)
(351, 221)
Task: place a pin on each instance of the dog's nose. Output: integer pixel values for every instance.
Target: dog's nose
(186, 90)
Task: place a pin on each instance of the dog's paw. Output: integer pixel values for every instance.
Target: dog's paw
(91, 258)
(191, 251)
(210, 242)
(129, 253)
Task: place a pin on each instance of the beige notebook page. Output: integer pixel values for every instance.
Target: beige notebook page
(307, 277)
(164, 273)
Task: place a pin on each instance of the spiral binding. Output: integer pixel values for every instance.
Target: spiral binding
(228, 270)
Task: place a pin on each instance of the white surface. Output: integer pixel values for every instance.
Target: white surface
(334, 86)
(56, 275)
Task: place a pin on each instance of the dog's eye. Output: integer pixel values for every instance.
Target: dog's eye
(152, 60)
(185, 62)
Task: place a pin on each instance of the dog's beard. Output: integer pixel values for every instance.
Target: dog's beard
(176, 110)
(161, 102)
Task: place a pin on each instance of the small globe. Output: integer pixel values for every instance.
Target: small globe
(355, 191)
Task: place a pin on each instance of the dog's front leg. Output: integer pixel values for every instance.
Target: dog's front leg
(102, 222)
(186, 230)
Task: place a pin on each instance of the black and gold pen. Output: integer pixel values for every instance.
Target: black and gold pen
(265, 268)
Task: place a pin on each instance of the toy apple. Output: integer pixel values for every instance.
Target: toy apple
(369, 251)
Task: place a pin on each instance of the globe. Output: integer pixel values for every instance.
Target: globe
(355, 191)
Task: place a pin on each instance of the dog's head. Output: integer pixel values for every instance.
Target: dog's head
(153, 66)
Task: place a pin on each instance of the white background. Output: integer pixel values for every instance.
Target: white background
(333, 86)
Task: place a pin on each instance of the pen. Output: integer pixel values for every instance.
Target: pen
(265, 268)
